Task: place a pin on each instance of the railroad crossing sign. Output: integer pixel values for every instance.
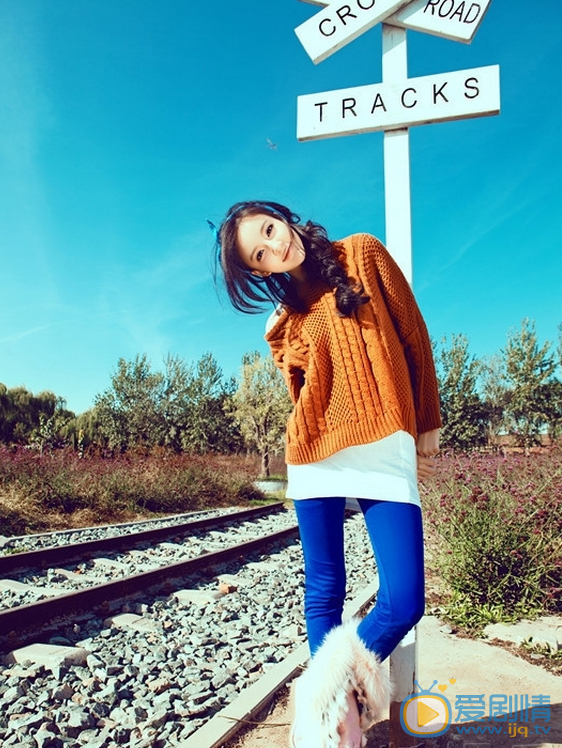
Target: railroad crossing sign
(398, 102)
(341, 23)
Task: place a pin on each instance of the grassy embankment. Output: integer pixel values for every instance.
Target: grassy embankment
(58, 490)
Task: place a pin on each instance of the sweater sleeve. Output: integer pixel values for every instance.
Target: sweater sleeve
(381, 270)
(289, 357)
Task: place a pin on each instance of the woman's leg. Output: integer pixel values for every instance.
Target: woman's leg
(321, 531)
(396, 533)
(343, 670)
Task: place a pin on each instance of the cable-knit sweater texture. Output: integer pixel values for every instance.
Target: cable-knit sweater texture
(354, 380)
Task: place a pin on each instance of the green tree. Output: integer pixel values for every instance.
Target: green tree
(551, 396)
(529, 371)
(184, 408)
(463, 412)
(53, 420)
(195, 407)
(26, 418)
(129, 412)
(493, 385)
(261, 406)
(84, 432)
(555, 399)
(7, 415)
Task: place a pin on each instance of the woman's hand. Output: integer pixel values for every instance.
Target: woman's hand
(426, 467)
(427, 446)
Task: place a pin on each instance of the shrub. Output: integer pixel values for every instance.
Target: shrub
(496, 525)
(71, 490)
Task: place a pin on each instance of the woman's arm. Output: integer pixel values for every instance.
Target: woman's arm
(383, 271)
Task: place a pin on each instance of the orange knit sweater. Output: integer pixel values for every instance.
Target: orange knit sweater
(354, 380)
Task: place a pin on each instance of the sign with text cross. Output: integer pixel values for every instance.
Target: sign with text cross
(340, 23)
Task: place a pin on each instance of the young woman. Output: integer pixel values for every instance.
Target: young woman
(351, 343)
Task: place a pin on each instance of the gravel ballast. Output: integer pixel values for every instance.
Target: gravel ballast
(154, 674)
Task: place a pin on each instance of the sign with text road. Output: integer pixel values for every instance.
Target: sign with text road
(452, 19)
(390, 106)
(341, 22)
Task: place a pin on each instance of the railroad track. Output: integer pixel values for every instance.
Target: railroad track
(17, 562)
(185, 655)
(21, 624)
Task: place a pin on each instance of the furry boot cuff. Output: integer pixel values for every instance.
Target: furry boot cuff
(342, 665)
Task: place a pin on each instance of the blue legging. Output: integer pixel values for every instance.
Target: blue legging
(395, 530)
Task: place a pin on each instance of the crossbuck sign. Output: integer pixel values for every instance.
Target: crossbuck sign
(398, 102)
(342, 22)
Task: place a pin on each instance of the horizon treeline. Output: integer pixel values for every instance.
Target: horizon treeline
(192, 408)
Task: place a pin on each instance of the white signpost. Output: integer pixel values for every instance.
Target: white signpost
(393, 106)
(453, 19)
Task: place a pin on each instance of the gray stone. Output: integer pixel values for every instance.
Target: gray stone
(109, 563)
(93, 661)
(78, 721)
(197, 598)
(63, 693)
(123, 717)
(221, 679)
(99, 710)
(156, 719)
(94, 738)
(12, 694)
(29, 720)
(49, 655)
(542, 632)
(47, 739)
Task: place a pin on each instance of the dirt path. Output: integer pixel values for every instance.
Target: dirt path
(478, 669)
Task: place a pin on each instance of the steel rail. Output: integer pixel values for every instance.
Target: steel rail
(15, 563)
(21, 625)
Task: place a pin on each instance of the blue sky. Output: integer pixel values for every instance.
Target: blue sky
(124, 125)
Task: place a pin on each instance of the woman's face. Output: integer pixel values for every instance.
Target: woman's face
(268, 245)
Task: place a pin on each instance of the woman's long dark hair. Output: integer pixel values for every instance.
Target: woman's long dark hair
(248, 292)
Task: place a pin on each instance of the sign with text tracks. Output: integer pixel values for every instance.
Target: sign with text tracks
(394, 105)
(326, 32)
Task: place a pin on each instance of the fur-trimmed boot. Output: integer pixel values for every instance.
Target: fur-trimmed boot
(342, 665)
